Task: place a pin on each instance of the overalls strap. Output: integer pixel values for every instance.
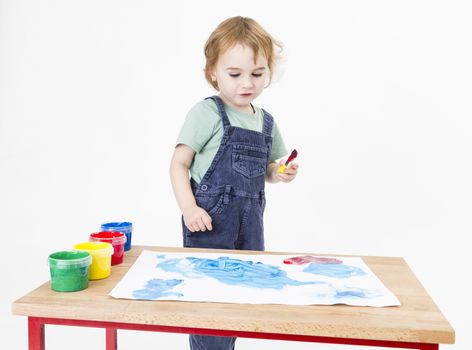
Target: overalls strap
(268, 123)
(221, 110)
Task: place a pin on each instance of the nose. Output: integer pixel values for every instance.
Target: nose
(247, 82)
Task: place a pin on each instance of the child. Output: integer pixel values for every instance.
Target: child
(230, 148)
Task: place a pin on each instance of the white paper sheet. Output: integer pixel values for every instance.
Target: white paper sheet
(253, 279)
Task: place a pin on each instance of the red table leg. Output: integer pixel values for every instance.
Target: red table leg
(111, 339)
(35, 334)
(429, 347)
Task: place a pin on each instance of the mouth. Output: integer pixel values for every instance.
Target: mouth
(246, 94)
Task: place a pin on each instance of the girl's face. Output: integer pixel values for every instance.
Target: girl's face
(239, 78)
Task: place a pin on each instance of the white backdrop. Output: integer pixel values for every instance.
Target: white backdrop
(375, 96)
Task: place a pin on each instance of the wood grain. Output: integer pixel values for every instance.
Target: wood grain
(418, 319)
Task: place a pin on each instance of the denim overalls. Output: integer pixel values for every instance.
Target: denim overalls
(232, 192)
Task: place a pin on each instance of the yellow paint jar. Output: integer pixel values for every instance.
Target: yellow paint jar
(101, 253)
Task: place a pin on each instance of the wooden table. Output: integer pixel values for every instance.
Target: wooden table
(416, 324)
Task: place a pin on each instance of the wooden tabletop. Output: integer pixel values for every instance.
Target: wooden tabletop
(418, 319)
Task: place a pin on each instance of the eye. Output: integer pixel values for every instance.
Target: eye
(234, 75)
(257, 75)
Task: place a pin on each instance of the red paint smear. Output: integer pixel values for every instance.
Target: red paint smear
(293, 155)
(305, 259)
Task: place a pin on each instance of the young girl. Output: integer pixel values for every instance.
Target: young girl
(230, 148)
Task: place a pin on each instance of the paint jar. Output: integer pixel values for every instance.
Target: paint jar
(101, 253)
(69, 270)
(116, 239)
(124, 227)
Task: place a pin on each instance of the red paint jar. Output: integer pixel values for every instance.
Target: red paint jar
(116, 239)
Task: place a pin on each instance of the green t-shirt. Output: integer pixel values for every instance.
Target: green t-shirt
(203, 130)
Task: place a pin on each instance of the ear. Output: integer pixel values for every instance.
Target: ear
(213, 74)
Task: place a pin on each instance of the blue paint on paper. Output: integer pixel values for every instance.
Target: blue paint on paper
(351, 294)
(334, 270)
(158, 288)
(233, 271)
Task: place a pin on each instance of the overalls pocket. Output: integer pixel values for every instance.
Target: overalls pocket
(248, 160)
(211, 204)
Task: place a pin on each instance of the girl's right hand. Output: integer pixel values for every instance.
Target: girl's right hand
(197, 219)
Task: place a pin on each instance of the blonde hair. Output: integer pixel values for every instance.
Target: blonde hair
(240, 30)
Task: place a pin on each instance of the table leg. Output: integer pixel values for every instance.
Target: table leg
(429, 347)
(111, 339)
(35, 334)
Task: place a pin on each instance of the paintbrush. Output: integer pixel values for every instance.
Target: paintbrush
(292, 156)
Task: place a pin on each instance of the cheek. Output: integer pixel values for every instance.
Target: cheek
(229, 83)
(261, 83)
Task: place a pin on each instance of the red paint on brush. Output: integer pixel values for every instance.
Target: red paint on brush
(301, 260)
(293, 155)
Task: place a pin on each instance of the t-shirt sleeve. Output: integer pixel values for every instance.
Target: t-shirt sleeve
(279, 149)
(197, 129)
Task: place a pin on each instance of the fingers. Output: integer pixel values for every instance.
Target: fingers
(198, 226)
(207, 222)
(198, 221)
(292, 169)
(285, 177)
(289, 173)
(204, 223)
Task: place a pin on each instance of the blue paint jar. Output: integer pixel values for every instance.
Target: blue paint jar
(125, 227)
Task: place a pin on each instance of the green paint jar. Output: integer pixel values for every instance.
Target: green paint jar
(69, 270)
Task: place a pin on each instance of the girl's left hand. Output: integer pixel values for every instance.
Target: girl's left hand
(289, 173)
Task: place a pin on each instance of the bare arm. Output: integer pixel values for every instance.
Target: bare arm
(195, 218)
